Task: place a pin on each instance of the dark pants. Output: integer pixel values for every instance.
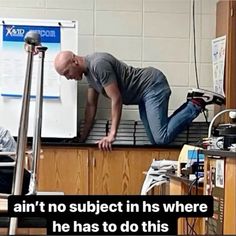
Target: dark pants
(6, 176)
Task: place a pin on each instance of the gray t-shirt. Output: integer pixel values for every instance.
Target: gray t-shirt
(103, 69)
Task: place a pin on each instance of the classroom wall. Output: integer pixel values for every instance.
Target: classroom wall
(141, 32)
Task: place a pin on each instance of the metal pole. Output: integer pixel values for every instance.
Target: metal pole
(32, 39)
(22, 138)
(38, 123)
(23, 128)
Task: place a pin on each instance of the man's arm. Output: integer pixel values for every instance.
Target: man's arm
(113, 93)
(90, 112)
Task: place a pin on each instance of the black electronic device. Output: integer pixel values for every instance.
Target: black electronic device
(6, 176)
(194, 168)
(228, 132)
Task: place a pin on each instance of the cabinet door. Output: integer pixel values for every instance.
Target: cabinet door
(226, 25)
(230, 197)
(64, 170)
(122, 171)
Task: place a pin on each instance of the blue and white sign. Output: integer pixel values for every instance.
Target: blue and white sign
(16, 33)
(13, 60)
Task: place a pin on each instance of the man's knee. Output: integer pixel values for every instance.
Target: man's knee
(161, 140)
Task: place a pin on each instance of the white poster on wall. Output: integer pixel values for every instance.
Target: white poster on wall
(13, 60)
(218, 63)
(59, 118)
(220, 173)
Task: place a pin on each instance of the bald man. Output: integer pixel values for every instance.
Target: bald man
(122, 84)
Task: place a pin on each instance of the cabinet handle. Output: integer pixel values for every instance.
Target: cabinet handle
(94, 162)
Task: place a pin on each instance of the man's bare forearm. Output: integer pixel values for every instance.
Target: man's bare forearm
(116, 110)
(90, 112)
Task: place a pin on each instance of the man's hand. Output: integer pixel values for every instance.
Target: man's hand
(105, 144)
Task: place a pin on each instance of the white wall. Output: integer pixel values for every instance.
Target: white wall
(140, 32)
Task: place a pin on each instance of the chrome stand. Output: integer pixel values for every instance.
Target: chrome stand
(32, 40)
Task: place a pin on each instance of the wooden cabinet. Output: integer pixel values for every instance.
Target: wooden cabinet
(121, 171)
(81, 170)
(77, 170)
(230, 196)
(118, 172)
(25, 231)
(221, 185)
(226, 25)
(64, 170)
(181, 186)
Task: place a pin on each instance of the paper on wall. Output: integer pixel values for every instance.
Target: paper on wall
(218, 63)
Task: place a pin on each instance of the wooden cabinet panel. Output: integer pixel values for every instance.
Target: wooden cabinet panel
(226, 25)
(25, 231)
(121, 171)
(178, 187)
(230, 197)
(64, 169)
(90, 171)
(118, 172)
(226, 194)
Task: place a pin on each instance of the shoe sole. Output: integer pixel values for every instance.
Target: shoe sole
(208, 96)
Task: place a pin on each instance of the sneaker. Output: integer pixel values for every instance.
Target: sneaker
(207, 96)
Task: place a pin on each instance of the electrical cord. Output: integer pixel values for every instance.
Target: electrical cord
(205, 111)
(190, 226)
(196, 192)
(194, 44)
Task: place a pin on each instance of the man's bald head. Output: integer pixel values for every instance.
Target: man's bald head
(70, 65)
(62, 61)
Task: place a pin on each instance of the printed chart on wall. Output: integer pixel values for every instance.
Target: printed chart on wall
(13, 60)
(218, 63)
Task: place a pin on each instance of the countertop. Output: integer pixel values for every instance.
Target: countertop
(218, 153)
